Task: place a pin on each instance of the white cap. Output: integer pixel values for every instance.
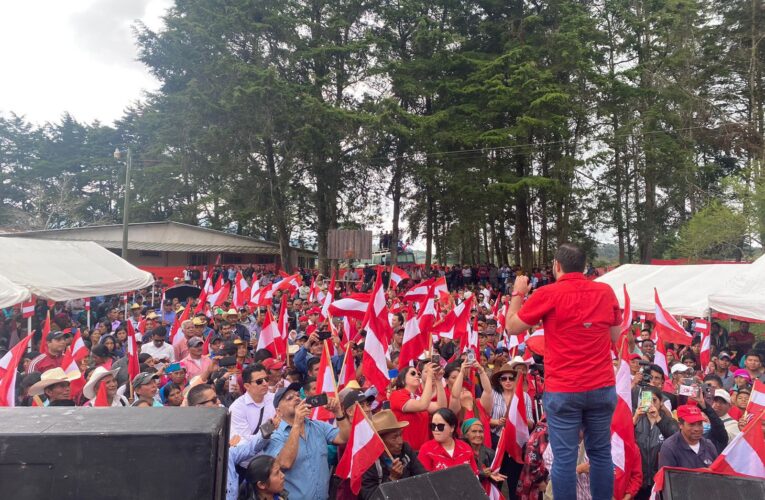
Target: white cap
(679, 368)
(723, 394)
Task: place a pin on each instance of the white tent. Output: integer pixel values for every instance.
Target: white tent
(11, 294)
(742, 295)
(683, 290)
(63, 270)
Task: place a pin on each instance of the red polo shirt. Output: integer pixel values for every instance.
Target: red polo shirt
(577, 315)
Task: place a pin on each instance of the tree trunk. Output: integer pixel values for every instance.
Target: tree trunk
(278, 205)
(429, 223)
(398, 173)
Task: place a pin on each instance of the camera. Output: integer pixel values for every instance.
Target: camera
(645, 370)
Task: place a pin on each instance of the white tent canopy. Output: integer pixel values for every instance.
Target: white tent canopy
(685, 290)
(743, 295)
(64, 270)
(11, 294)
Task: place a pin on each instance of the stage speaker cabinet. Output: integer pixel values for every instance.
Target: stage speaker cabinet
(681, 485)
(456, 483)
(113, 453)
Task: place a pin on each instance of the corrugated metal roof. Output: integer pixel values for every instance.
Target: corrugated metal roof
(167, 236)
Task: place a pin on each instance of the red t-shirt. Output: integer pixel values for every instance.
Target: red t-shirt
(434, 457)
(418, 430)
(577, 315)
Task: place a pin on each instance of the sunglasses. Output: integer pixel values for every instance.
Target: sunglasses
(213, 400)
(507, 378)
(260, 381)
(437, 427)
(413, 373)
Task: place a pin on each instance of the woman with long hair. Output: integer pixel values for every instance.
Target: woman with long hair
(265, 479)
(412, 401)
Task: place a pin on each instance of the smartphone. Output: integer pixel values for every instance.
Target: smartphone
(708, 392)
(688, 390)
(646, 398)
(325, 335)
(317, 400)
(470, 356)
(227, 361)
(436, 358)
(173, 367)
(267, 428)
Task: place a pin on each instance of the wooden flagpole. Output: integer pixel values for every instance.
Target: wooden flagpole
(358, 408)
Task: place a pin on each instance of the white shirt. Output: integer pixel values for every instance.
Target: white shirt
(165, 351)
(245, 414)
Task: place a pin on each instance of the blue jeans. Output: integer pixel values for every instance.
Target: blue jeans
(590, 412)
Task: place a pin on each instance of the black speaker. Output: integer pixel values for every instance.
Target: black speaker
(680, 485)
(113, 453)
(457, 483)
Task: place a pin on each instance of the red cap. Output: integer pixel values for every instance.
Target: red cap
(272, 364)
(635, 356)
(689, 414)
(303, 319)
(314, 310)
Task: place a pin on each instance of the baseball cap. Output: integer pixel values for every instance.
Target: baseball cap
(745, 389)
(355, 396)
(723, 355)
(689, 414)
(272, 364)
(635, 356)
(144, 378)
(303, 319)
(314, 310)
(741, 372)
(679, 368)
(723, 394)
(294, 386)
(195, 341)
(55, 335)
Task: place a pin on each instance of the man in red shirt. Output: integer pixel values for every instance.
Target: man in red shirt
(741, 340)
(581, 318)
(57, 342)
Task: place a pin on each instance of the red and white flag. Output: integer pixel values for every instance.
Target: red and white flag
(28, 308)
(102, 399)
(668, 328)
(289, 282)
(176, 332)
(757, 398)
(71, 367)
(378, 329)
(220, 294)
(284, 330)
(455, 324)
(132, 352)
(9, 365)
(705, 354)
(354, 306)
(415, 340)
(419, 292)
(241, 291)
(745, 455)
(348, 371)
(87, 303)
(397, 275)
(263, 297)
(622, 428)
(325, 383)
(45, 332)
(701, 326)
(328, 298)
(363, 449)
(627, 312)
(269, 335)
(441, 289)
(78, 348)
(660, 358)
(313, 291)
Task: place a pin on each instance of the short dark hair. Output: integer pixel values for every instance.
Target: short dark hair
(307, 383)
(753, 353)
(194, 397)
(311, 362)
(712, 376)
(262, 355)
(571, 258)
(449, 417)
(658, 369)
(247, 372)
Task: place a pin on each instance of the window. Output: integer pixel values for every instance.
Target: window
(198, 259)
(149, 253)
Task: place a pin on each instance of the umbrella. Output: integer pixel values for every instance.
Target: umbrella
(182, 292)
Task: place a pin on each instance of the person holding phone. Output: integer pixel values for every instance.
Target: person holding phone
(412, 401)
(653, 425)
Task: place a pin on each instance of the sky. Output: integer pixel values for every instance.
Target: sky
(73, 55)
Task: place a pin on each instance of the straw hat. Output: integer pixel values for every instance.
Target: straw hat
(52, 377)
(89, 391)
(385, 421)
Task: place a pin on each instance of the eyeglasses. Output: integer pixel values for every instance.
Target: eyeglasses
(507, 378)
(437, 427)
(260, 381)
(414, 373)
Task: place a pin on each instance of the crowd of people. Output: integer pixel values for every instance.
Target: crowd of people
(448, 408)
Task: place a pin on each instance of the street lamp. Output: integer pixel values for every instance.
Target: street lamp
(117, 155)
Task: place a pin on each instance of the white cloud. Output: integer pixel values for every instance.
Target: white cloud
(75, 55)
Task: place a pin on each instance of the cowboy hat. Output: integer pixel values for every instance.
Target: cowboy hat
(385, 421)
(506, 368)
(52, 377)
(89, 391)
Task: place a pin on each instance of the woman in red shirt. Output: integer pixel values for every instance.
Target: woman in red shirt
(445, 450)
(409, 405)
